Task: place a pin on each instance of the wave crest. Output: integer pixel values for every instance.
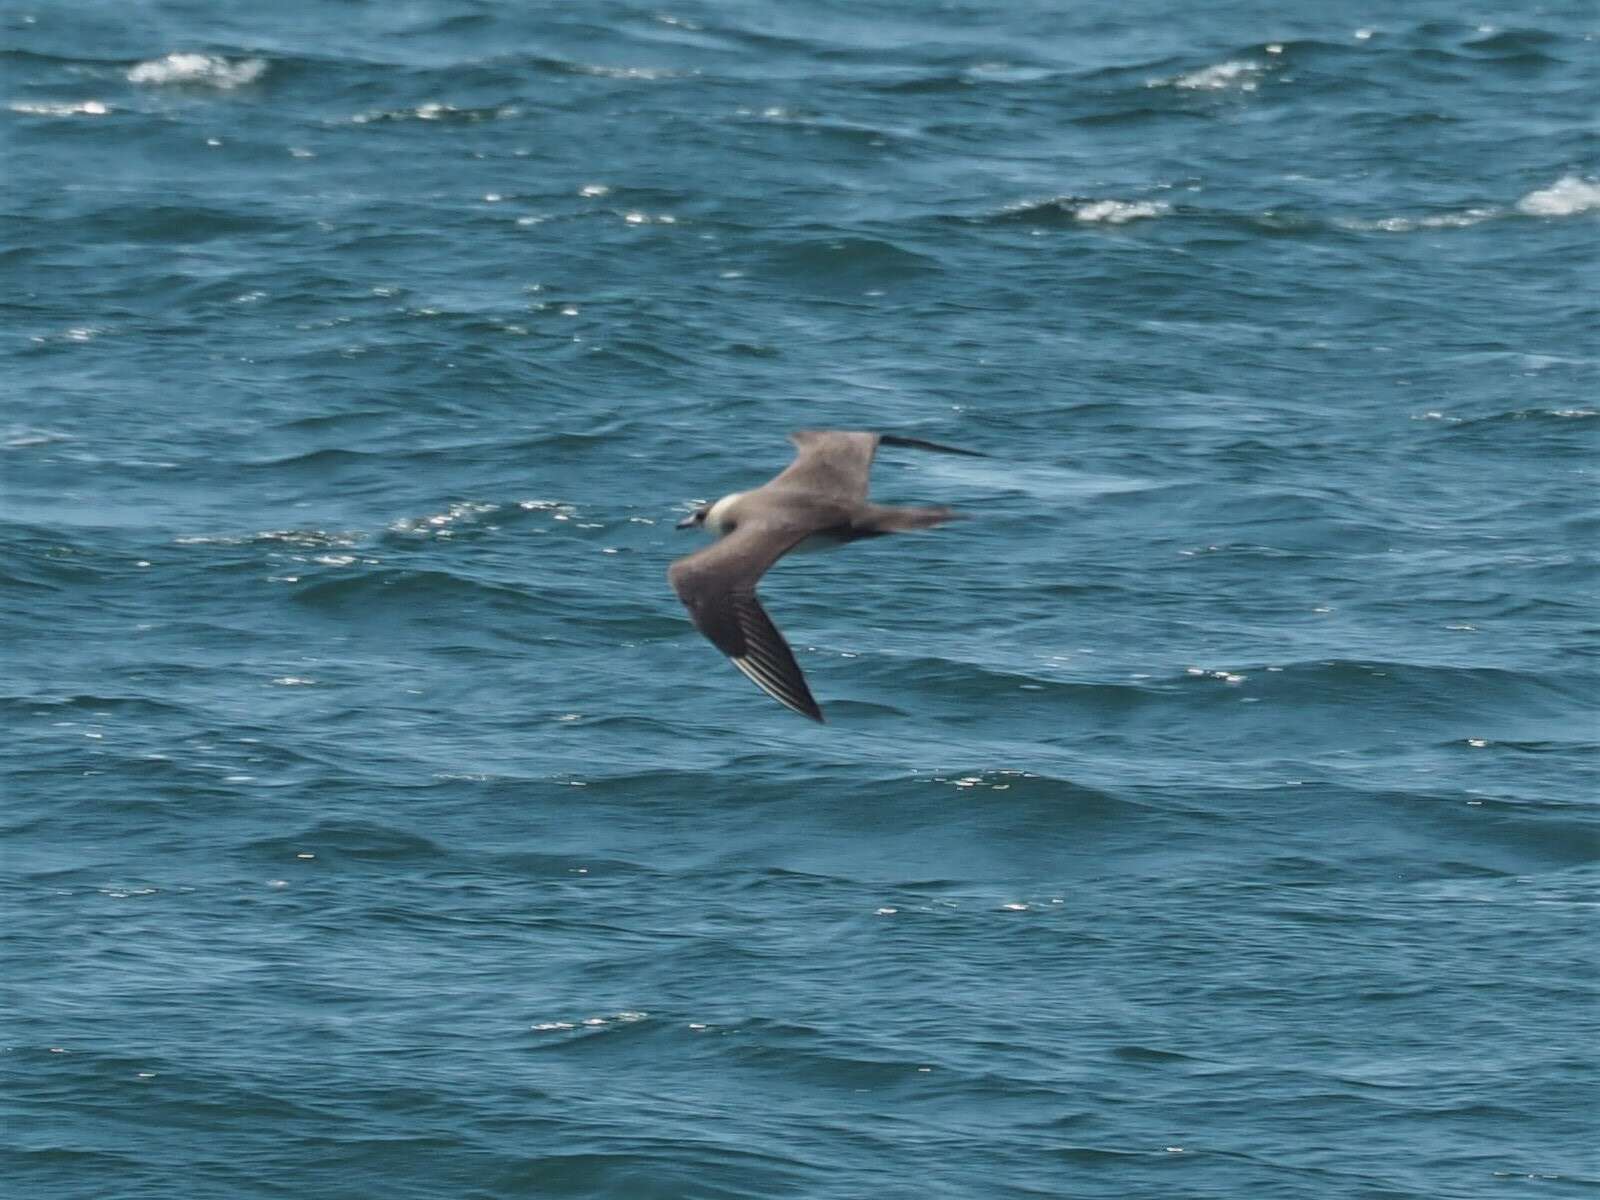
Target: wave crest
(1119, 212)
(206, 70)
(1566, 197)
(1220, 77)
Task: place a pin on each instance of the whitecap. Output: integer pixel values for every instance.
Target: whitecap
(1120, 212)
(18, 437)
(82, 108)
(434, 110)
(1455, 220)
(438, 523)
(207, 70)
(308, 538)
(1236, 73)
(605, 72)
(1460, 220)
(1566, 197)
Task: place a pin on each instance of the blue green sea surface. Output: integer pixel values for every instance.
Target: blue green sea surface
(1211, 815)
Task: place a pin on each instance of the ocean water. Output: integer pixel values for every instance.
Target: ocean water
(1211, 815)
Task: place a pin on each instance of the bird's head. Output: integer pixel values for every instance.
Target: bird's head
(718, 517)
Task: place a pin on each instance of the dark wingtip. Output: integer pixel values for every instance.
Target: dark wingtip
(895, 439)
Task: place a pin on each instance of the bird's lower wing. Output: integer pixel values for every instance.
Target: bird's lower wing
(717, 586)
(767, 659)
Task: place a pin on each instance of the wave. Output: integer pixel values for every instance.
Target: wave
(567, 66)
(1554, 418)
(62, 108)
(849, 262)
(1464, 219)
(198, 70)
(1567, 197)
(142, 707)
(1516, 42)
(363, 841)
(377, 593)
(305, 539)
(1241, 74)
(42, 557)
(1120, 212)
(1361, 697)
(435, 110)
(162, 221)
(1082, 209)
(24, 437)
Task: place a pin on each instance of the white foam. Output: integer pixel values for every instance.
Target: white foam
(1460, 220)
(605, 72)
(1457, 220)
(433, 110)
(17, 437)
(1236, 73)
(1566, 197)
(82, 108)
(438, 524)
(1120, 212)
(208, 70)
(627, 1017)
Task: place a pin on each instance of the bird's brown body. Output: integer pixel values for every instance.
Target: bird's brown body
(821, 497)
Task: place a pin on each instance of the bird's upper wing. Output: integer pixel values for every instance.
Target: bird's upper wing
(718, 587)
(830, 460)
(837, 461)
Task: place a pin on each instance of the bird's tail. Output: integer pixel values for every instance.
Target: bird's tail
(895, 439)
(888, 518)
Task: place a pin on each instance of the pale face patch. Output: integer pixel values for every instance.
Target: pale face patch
(719, 517)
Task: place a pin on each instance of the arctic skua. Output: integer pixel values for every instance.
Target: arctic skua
(819, 500)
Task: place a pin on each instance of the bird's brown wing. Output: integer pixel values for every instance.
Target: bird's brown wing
(836, 462)
(718, 587)
(833, 461)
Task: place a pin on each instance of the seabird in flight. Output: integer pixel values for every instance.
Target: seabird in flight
(820, 499)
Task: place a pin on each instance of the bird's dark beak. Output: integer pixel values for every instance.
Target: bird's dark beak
(689, 521)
